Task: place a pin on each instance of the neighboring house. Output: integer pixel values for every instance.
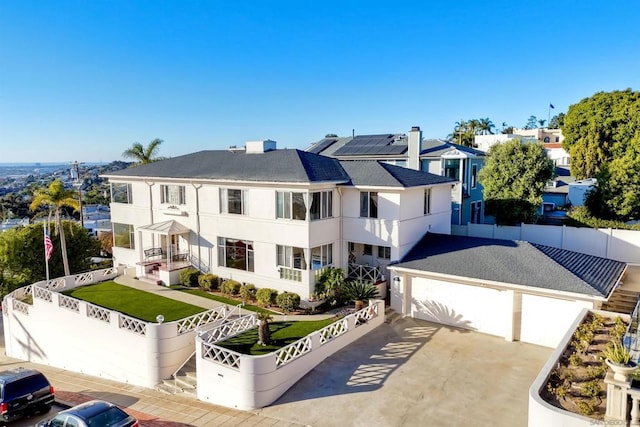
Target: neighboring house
(565, 191)
(514, 289)
(544, 135)
(274, 218)
(462, 164)
(557, 153)
(412, 151)
(551, 138)
(485, 142)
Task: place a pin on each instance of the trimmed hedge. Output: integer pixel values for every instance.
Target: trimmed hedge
(248, 292)
(266, 296)
(288, 301)
(230, 287)
(208, 282)
(189, 277)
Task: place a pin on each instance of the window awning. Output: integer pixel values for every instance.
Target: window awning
(168, 228)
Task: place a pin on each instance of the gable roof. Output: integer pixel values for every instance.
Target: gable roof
(380, 174)
(272, 166)
(438, 147)
(515, 262)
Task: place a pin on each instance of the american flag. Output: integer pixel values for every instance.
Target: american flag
(48, 246)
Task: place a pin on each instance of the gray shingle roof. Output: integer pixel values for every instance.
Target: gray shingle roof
(514, 262)
(437, 147)
(380, 174)
(274, 166)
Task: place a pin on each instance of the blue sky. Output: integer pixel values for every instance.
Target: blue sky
(83, 80)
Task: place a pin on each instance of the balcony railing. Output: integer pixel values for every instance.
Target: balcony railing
(365, 273)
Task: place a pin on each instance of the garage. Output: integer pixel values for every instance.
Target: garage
(513, 289)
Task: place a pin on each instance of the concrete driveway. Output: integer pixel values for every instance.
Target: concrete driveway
(417, 373)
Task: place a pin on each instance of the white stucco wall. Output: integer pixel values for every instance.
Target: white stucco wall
(258, 381)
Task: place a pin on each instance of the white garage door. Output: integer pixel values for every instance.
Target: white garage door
(546, 320)
(470, 307)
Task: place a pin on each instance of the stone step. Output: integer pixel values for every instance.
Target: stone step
(391, 316)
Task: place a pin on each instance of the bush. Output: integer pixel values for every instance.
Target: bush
(189, 277)
(208, 282)
(266, 296)
(288, 301)
(230, 287)
(247, 292)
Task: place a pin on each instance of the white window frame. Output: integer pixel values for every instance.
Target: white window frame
(427, 202)
(285, 203)
(124, 187)
(172, 194)
(326, 256)
(474, 176)
(224, 201)
(367, 199)
(324, 201)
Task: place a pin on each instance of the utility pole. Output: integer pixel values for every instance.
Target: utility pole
(75, 175)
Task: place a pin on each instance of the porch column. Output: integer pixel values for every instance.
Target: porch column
(140, 268)
(406, 292)
(168, 240)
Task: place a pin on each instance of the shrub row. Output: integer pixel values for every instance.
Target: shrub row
(287, 301)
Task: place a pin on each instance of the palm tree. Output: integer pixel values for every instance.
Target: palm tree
(144, 155)
(541, 122)
(486, 126)
(264, 335)
(56, 197)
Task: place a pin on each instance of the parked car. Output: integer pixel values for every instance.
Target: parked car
(24, 392)
(95, 413)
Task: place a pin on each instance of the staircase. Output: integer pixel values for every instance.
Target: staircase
(184, 383)
(622, 301)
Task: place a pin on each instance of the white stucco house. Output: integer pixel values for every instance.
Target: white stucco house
(273, 218)
(513, 289)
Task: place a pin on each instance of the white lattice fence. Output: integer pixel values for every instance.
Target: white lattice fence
(192, 322)
(231, 328)
(292, 351)
(42, 293)
(333, 330)
(83, 279)
(56, 284)
(21, 307)
(98, 313)
(221, 355)
(69, 303)
(133, 325)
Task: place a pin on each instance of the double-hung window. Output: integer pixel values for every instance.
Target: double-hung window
(321, 205)
(121, 193)
(172, 194)
(235, 253)
(290, 205)
(368, 204)
(233, 201)
(474, 176)
(384, 252)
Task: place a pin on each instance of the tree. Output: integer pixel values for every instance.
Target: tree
(514, 178)
(541, 122)
(22, 253)
(55, 198)
(532, 123)
(556, 121)
(486, 126)
(264, 335)
(143, 155)
(599, 129)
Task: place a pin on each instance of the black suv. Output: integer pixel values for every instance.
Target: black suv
(24, 392)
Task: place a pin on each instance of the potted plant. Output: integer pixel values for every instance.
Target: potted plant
(618, 358)
(359, 291)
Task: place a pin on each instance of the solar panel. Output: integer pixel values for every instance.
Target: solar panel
(321, 146)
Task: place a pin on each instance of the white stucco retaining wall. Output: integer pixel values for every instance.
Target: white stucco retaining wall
(543, 414)
(257, 381)
(57, 330)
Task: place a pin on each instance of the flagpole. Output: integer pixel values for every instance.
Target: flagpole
(46, 258)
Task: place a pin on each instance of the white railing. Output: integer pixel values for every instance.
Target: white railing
(365, 273)
(231, 328)
(292, 351)
(333, 330)
(192, 322)
(42, 293)
(131, 324)
(69, 303)
(221, 355)
(98, 313)
(21, 307)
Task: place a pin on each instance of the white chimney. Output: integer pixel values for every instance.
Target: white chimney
(260, 146)
(414, 147)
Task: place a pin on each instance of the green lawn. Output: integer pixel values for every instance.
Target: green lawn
(282, 334)
(133, 302)
(230, 302)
